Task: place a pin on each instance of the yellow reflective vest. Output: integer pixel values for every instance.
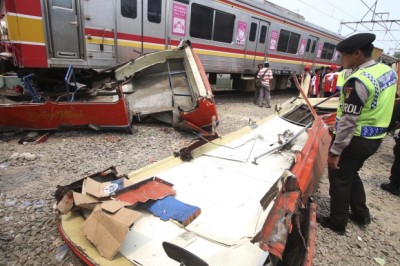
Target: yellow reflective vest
(374, 117)
(343, 75)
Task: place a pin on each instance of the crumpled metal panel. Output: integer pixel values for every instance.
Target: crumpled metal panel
(309, 167)
(312, 160)
(171, 86)
(273, 236)
(152, 189)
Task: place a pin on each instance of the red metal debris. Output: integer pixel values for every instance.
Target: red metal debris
(55, 115)
(112, 138)
(309, 167)
(152, 189)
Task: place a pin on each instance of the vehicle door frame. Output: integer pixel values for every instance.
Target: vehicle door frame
(46, 7)
(308, 55)
(250, 62)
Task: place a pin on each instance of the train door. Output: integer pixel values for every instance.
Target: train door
(256, 49)
(141, 27)
(310, 51)
(100, 32)
(63, 25)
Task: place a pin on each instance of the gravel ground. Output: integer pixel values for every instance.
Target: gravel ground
(30, 173)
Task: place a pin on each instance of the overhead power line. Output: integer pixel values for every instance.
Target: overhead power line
(379, 22)
(338, 8)
(320, 11)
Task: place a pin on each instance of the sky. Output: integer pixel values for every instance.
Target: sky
(330, 14)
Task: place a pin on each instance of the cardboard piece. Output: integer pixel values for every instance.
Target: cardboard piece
(126, 216)
(84, 201)
(112, 206)
(107, 232)
(67, 202)
(84, 187)
(104, 189)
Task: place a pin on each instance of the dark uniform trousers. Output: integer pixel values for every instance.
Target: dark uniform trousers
(395, 171)
(346, 187)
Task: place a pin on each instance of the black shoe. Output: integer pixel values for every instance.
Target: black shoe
(392, 188)
(327, 222)
(363, 221)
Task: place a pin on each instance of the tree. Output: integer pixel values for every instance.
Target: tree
(397, 55)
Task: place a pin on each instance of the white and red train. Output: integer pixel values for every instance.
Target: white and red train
(230, 36)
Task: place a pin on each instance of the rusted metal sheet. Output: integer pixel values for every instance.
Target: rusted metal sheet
(152, 189)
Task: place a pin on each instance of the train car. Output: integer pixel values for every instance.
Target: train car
(388, 60)
(231, 36)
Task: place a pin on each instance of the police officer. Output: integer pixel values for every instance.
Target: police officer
(362, 119)
(394, 185)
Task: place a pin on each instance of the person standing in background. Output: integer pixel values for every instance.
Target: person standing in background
(321, 79)
(306, 79)
(257, 85)
(332, 79)
(326, 82)
(265, 74)
(315, 83)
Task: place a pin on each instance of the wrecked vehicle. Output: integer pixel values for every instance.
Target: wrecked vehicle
(72, 109)
(170, 86)
(241, 199)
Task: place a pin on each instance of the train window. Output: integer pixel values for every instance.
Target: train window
(201, 22)
(253, 32)
(308, 45)
(129, 8)
(154, 11)
(288, 42)
(223, 27)
(293, 43)
(210, 24)
(327, 51)
(62, 3)
(324, 50)
(283, 41)
(331, 50)
(263, 34)
(314, 44)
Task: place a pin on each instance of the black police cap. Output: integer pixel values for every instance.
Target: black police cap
(355, 42)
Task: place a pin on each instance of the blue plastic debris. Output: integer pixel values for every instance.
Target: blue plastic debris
(171, 208)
